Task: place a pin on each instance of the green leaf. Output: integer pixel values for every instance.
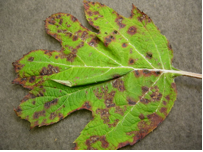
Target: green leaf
(123, 75)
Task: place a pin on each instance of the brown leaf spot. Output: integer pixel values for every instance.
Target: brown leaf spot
(119, 110)
(31, 59)
(149, 55)
(47, 105)
(50, 70)
(33, 102)
(144, 101)
(156, 96)
(104, 113)
(164, 111)
(98, 94)
(131, 50)
(132, 30)
(115, 76)
(60, 116)
(38, 114)
(61, 21)
(18, 110)
(108, 40)
(169, 46)
(91, 140)
(89, 13)
(75, 38)
(146, 73)
(108, 99)
(164, 103)
(115, 32)
(131, 101)
(44, 122)
(52, 115)
(71, 57)
(104, 143)
(141, 116)
(17, 66)
(87, 105)
(131, 61)
(114, 123)
(73, 18)
(124, 45)
(84, 34)
(173, 85)
(156, 73)
(32, 79)
(167, 97)
(58, 16)
(96, 13)
(144, 89)
(137, 73)
(119, 84)
(94, 41)
(119, 20)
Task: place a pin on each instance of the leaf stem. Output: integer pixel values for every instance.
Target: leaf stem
(185, 73)
(189, 74)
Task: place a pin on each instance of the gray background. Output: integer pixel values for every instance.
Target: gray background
(22, 30)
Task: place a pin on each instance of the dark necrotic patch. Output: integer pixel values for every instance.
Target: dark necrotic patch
(132, 30)
(47, 105)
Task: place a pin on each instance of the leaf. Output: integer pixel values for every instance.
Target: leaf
(123, 75)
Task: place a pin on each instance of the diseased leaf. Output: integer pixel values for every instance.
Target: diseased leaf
(123, 75)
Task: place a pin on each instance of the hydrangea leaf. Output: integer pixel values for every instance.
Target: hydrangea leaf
(123, 75)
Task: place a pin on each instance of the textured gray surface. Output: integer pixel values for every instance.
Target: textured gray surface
(22, 30)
